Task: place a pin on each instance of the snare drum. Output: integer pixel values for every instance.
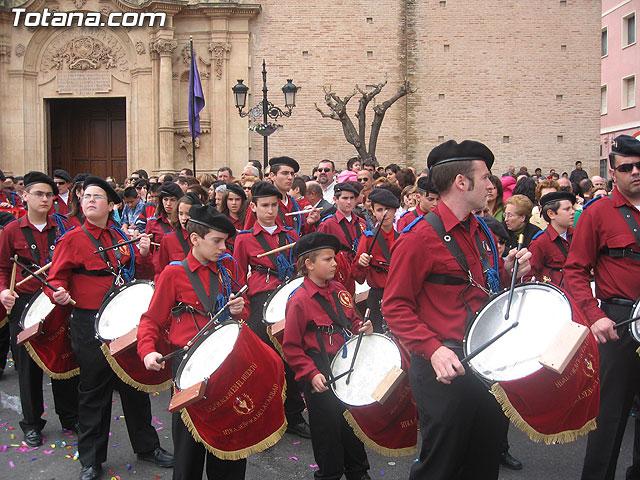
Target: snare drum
(230, 388)
(634, 327)
(45, 335)
(116, 326)
(273, 313)
(546, 405)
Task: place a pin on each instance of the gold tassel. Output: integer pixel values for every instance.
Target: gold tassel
(387, 452)
(56, 376)
(513, 415)
(4, 321)
(270, 441)
(638, 351)
(276, 343)
(124, 376)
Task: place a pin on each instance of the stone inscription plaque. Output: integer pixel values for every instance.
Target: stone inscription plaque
(83, 82)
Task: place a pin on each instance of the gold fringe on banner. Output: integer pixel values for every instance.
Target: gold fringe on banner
(56, 376)
(276, 343)
(638, 351)
(513, 415)
(270, 441)
(387, 452)
(4, 321)
(124, 376)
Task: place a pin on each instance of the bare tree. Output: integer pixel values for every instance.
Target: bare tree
(357, 137)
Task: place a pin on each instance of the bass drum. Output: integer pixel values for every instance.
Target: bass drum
(273, 312)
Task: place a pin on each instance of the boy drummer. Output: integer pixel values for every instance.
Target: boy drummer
(319, 315)
(208, 230)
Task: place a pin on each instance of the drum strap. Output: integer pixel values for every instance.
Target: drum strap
(164, 226)
(282, 241)
(343, 226)
(384, 247)
(284, 267)
(99, 246)
(625, 211)
(208, 301)
(296, 219)
(338, 318)
(35, 253)
(56, 205)
(184, 243)
(560, 245)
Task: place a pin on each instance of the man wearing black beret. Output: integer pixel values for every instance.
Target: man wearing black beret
(428, 200)
(429, 300)
(64, 183)
(606, 241)
(550, 247)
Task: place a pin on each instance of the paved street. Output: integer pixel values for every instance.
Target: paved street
(291, 458)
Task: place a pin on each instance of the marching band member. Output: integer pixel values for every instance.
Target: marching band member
(428, 200)
(87, 278)
(160, 225)
(374, 267)
(33, 239)
(606, 240)
(234, 205)
(208, 230)
(319, 314)
(65, 190)
(428, 301)
(176, 245)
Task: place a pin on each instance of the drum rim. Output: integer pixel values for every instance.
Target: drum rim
(202, 339)
(273, 294)
(355, 337)
(30, 303)
(465, 342)
(635, 335)
(110, 296)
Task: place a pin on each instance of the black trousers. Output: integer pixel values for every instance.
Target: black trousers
(619, 383)
(294, 403)
(97, 382)
(459, 424)
(374, 303)
(336, 448)
(65, 392)
(4, 344)
(191, 457)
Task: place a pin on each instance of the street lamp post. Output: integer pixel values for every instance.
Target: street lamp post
(269, 110)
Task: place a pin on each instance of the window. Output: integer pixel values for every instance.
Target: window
(603, 99)
(629, 92)
(629, 30)
(604, 47)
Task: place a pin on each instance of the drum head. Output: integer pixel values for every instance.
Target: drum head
(207, 355)
(634, 328)
(540, 309)
(121, 311)
(377, 356)
(276, 304)
(38, 309)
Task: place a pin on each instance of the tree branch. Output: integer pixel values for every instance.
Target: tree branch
(361, 114)
(379, 112)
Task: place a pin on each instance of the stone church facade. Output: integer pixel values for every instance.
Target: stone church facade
(522, 77)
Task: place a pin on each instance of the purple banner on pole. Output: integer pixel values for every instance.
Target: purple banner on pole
(196, 97)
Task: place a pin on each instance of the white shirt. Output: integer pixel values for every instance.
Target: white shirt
(65, 197)
(328, 193)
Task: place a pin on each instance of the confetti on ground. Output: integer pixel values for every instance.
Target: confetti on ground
(296, 443)
(11, 464)
(128, 466)
(313, 466)
(155, 419)
(293, 458)
(48, 452)
(392, 463)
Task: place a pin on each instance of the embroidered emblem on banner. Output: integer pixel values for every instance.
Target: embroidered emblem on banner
(243, 404)
(345, 299)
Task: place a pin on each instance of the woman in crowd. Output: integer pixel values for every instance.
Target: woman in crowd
(495, 200)
(516, 218)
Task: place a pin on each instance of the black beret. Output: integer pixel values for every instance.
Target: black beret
(557, 196)
(344, 187)
(498, 228)
(288, 161)
(112, 195)
(237, 189)
(451, 151)
(39, 177)
(63, 174)
(264, 189)
(384, 197)
(80, 178)
(170, 189)
(195, 199)
(426, 185)
(315, 241)
(626, 146)
(208, 216)
(143, 182)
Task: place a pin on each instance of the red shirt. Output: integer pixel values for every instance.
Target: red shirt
(63, 208)
(303, 203)
(11, 197)
(173, 286)
(304, 314)
(171, 249)
(239, 224)
(601, 225)
(75, 250)
(424, 314)
(155, 226)
(76, 220)
(13, 242)
(246, 251)
(547, 260)
(331, 224)
(407, 217)
(292, 221)
(376, 278)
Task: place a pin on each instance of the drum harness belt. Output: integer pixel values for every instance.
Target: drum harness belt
(340, 323)
(35, 252)
(383, 267)
(284, 268)
(352, 242)
(449, 241)
(297, 219)
(184, 242)
(121, 274)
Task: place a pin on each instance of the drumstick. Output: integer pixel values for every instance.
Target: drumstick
(202, 331)
(38, 277)
(513, 277)
(12, 285)
(155, 244)
(377, 233)
(487, 344)
(335, 379)
(301, 212)
(355, 352)
(37, 272)
(276, 250)
(626, 322)
(117, 245)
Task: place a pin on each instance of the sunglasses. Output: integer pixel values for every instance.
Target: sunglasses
(325, 170)
(627, 167)
(363, 180)
(57, 182)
